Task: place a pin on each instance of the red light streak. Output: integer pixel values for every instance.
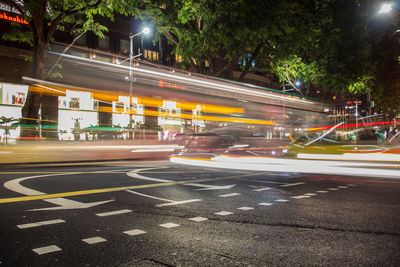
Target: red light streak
(352, 125)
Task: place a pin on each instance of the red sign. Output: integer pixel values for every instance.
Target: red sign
(161, 83)
(12, 18)
(358, 102)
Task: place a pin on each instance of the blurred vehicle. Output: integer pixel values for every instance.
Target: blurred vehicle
(232, 141)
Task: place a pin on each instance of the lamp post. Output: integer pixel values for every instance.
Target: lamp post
(131, 56)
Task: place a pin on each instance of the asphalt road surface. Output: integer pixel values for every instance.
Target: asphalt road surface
(162, 214)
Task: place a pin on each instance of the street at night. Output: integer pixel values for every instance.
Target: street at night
(156, 213)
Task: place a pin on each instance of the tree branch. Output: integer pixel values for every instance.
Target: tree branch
(170, 37)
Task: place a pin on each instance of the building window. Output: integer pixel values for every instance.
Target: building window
(124, 47)
(104, 43)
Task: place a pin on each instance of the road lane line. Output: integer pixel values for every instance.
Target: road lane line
(333, 189)
(310, 194)
(36, 224)
(169, 225)
(245, 208)
(322, 191)
(198, 219)
(153, 197)
(230, 195)
(262, 189)
(281, 200)
(265, 204)
(292, 184)
(178, 202)
(114, 189)
(300, 197)
(223, 213)
(134, 232)
(111, 213)
(94, 240)
(45, 250)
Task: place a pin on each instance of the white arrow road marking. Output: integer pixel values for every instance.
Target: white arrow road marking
(63, 203)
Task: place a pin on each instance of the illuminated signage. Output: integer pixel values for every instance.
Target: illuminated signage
(13, 18)
(161, 83)
(13, 94)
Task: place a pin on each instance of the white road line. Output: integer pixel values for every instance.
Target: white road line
(343, 186)
(310, 194)
(134, 232)
(135, 174)
(178, 202)
(333, 189)
(198, 219)
(322, 191)
(300, 197)
(351, 185)
(265, 204)
(169, 225)
(262, 189)
(94, 240)
(245, 208)
(110, 213)
(36, 224)
(260, 181)
(144, 195)
(281, 200)
(223, 213)
(48, 249)
(230, 195)
(292, 184)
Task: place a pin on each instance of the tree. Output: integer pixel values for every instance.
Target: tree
(47, 16)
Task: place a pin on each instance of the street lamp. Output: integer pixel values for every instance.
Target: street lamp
(145, 31)
(385, 8)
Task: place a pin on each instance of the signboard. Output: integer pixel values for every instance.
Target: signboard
(13, 94)
(76, 100)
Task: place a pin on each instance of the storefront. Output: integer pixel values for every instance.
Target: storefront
(12, 99)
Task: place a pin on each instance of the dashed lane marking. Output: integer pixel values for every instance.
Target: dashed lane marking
(322, 191)
(343, 186)
(114, 189)
(94, 240)
(134, 232)
(178, 202)
(111, 213)
(245, 208)
(265, 204)
(281, 200)
(45, 250)
(310, 194)
(333, 189)
(198, 219)
(169, 225)
(292, 184)
(230, 195)
(36, 224)
(223, 213)
(351, 185)
(262, 189)
(300, 197)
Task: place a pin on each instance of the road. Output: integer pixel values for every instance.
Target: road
(156, 213)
